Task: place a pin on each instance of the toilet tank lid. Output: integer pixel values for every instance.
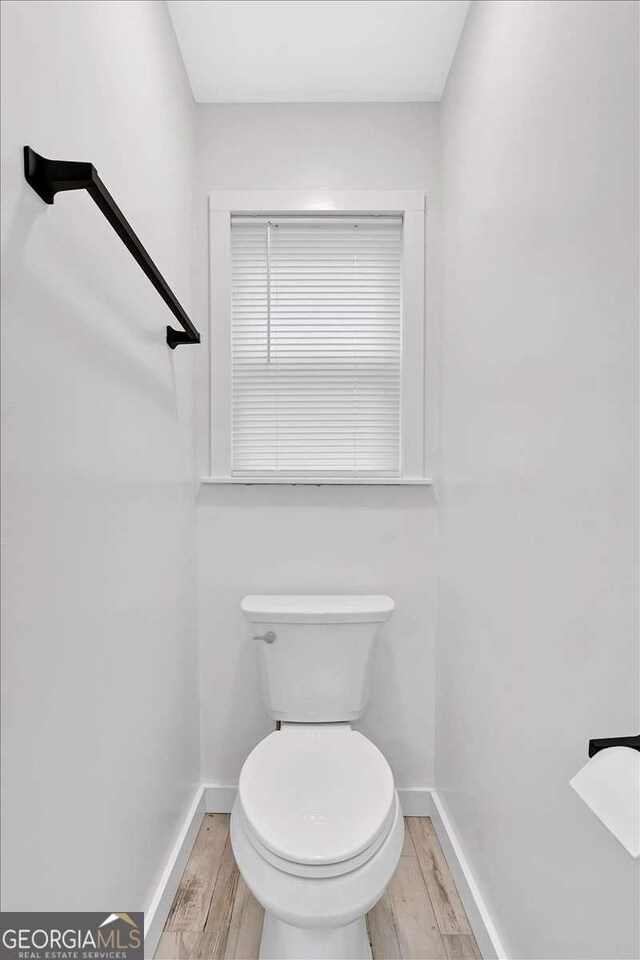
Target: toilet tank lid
(317, 609)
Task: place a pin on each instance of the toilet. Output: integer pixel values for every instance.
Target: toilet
(316, 828)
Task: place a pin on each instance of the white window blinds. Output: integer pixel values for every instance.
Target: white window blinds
(316, 345)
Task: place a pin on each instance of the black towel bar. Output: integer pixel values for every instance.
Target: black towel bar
(47, 177)
(595, 746)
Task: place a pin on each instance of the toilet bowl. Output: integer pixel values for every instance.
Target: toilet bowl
(316, 828)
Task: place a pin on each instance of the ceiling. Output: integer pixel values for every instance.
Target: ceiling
(277, 51)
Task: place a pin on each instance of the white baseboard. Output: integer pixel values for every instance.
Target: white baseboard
(482, 925)
(415, 802)
(158, 910)
(219, 798)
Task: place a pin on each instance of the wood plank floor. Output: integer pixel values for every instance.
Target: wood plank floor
(215, 917)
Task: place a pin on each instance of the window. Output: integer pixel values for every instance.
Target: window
(316, 345)
(317, 340)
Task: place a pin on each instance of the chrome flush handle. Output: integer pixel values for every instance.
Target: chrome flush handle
(268, 637)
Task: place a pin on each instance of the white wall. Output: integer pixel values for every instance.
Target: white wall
(99, 681)
(319, 539)
(537, 636)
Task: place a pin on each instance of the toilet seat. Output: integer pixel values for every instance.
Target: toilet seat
(318, 800)
(315, 871)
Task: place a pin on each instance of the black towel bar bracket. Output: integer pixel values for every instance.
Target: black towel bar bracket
(48, 177)
(595, 746)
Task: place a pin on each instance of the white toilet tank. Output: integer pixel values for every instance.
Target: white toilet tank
(317, 667)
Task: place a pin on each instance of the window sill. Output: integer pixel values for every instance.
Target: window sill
(324, 481)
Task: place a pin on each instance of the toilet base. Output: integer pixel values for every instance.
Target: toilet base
(282, 941)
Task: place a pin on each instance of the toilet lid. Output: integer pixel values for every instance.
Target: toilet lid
(317, 793)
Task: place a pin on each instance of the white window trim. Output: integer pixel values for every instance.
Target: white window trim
(407, 203)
